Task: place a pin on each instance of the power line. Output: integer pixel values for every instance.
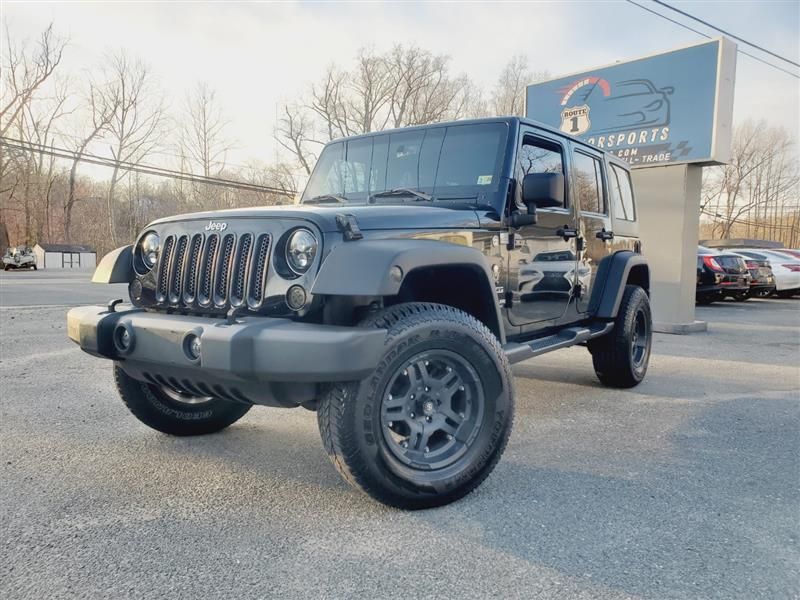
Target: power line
(705, 35)
(729, 34)
(741, 221)
(76, 138)
(24, 146)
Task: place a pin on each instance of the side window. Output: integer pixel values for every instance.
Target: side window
(540, 156)
(622, 192)
(588, 183)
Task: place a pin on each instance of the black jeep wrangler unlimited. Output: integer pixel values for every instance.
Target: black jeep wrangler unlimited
(420, 264)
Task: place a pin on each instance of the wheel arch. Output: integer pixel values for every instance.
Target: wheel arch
(410, 270)
(614, 272)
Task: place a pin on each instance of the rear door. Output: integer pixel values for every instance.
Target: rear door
(590, 194)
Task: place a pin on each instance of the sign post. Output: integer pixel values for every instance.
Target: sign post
(667, 115)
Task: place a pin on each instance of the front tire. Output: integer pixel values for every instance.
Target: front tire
(171, 412)
(431, 422)
(621, 358)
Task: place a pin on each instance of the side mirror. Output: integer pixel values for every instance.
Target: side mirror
(543, 190)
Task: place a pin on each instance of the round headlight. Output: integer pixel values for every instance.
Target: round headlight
(149, 247)
(301, 250)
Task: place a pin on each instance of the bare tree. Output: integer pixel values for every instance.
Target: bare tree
(293, 132)
(38, 122)
(757, 194)
(202, 132)
(508, 94)
(135, 124)
(25, 72)
(101, 104)
(405, 86)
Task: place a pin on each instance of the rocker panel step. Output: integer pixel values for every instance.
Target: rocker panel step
(519, 351)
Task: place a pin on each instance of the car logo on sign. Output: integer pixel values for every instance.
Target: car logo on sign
(575, 120)
(216, 226)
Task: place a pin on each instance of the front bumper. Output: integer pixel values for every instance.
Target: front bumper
(256, 359)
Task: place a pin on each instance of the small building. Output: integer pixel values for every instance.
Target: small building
(64, 256)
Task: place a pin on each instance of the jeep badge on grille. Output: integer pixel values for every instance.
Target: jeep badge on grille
(216, 226)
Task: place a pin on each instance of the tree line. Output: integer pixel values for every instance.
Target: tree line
(119, 109)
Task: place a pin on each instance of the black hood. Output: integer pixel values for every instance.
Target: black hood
(370, 217)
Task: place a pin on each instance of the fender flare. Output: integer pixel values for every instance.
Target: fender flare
(612, 274)
(365, 268)
(115, 267)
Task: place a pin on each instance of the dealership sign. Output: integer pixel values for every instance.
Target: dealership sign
(674, 107)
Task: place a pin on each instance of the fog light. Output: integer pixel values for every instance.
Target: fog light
(296, 297)
(192, 346)
(123, 339)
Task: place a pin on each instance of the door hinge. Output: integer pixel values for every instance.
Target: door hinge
(509, 299)
(580, 244)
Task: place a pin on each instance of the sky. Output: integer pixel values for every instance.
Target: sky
(259, 55)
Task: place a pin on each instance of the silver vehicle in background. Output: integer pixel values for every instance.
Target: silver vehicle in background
(21, 257)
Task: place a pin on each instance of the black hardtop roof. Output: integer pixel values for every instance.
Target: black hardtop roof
(511, 121)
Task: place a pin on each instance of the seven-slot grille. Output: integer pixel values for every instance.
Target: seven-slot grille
(213, 271)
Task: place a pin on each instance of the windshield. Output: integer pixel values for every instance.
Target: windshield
(449, 163)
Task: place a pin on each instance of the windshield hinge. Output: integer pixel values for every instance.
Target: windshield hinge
(348, 225)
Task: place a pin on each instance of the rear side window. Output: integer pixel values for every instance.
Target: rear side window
(588, 183)
(622, 193)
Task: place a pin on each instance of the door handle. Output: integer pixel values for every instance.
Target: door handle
(604, 235)
(567, 232)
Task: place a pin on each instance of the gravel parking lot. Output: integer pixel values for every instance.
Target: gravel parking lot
(685, 487)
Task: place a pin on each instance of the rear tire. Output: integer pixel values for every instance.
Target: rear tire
(164, 411)
(621, 357)
(431, 422)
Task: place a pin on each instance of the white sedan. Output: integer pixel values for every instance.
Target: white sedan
(785, 267)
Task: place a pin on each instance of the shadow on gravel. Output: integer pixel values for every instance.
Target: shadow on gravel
(259, 450)
(720, 520)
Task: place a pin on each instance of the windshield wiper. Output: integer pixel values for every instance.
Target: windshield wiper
(398, 192)
(326, 198)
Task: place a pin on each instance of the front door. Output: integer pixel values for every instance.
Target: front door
(541, 264)
(589, 193)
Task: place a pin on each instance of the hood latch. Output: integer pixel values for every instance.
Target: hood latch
(348, 225)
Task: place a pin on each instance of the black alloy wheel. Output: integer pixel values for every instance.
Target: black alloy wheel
(432, 409)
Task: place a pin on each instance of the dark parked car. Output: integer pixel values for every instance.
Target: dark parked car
(762, 284)
(721, 275)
